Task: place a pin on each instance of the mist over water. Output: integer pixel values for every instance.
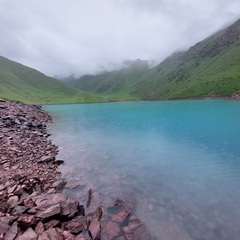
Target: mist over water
(177, 161)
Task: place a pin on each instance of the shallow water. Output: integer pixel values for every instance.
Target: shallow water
(178, 161)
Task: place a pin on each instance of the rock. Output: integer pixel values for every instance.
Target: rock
(11, 189)
(120, 211)
(39, 228)
(74, 185)
(18, 177)
(58, 162)
(136, 230)
(111, 229)
(46, 159)
(50, 234)
(95, 229)
(12, 232)
(8, 219)
(51, 224)
(49, 212)
(4, 227)
(77, 225)
(28, 235)
(69, 208)
(27, 221)
(19, 210)
(12, 201)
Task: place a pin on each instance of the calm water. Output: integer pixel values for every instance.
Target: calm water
(178, 161)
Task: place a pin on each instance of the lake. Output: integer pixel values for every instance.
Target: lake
(177, 161)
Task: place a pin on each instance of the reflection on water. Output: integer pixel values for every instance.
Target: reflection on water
(177, 161)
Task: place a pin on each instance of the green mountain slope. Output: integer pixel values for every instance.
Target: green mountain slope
(21, 83)
(211, 68)
(116, 85)
(208, 69)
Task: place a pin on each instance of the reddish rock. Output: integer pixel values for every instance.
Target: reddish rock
(136, 230)
(12, 232)
(111, 229)
(95, 229)
(39, 228)
(49, 211)
(4, 227)
(28, 235)
(50, 234)
(24, 222)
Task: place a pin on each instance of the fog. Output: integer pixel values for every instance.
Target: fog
(79, 37)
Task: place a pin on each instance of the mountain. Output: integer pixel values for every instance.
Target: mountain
(116, 84)
(208, 69)
(21, 83)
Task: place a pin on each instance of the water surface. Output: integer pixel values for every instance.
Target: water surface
(178, 161)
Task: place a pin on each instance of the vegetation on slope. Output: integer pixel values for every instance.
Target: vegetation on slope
(208, 69)
(116, 85)
(21, 83)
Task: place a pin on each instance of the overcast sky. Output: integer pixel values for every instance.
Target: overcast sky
(60, 37)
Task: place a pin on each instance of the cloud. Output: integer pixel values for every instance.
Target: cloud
(61, 37)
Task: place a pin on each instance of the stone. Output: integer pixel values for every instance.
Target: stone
(136, 230)
(46, 159)
(29, 234)
(19, 210)
(12, 201)
(120, 211)
(11, 189)
(111, 229)
(69, 208)
(95, 229)
(39, 228)
(4, 227)
(8, 219)
(74, 185)
(50, 234)
(12, 232)
(77, 225)
(49, 212)
(51, 224)
(27, 221)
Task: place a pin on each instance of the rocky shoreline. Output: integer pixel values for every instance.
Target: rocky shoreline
(32, 205)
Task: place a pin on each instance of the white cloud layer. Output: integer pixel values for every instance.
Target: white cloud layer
(60, 37)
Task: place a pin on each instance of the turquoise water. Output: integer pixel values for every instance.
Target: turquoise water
(177, 161)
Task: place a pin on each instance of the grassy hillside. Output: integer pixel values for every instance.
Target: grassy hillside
(208, 69)
(116, 85)
(21, 83)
